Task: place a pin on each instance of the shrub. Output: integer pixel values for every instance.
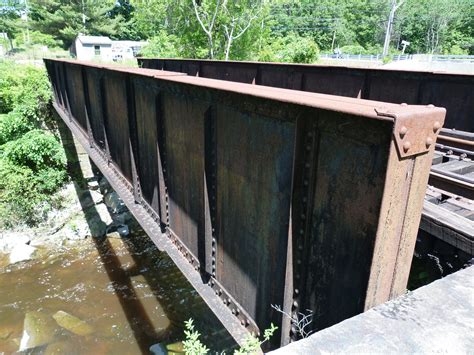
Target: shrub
(353, 49)
(18, 195)
(13, 125)
(26, 90)
(162, 46)
(36, 150)
(292, 49)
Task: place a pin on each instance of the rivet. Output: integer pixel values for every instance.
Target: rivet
(403, 131)
(298, 261)
(296, 291)
(233, 311)
(430, 105)
(403, 104)
(301, 231)
(406, 146)
(429, 142)
(295, 304)
(436, 126)
(242, 322)
(300, 247)
(228, 301)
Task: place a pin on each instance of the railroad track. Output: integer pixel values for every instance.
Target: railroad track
(448, 210)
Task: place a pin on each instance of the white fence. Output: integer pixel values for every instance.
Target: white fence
(400, 57)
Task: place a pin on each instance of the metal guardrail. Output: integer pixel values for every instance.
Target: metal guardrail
(266, 196)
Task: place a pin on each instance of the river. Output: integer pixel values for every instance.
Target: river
(100, 296)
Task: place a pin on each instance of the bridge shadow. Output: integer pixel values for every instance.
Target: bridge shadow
(163, 279)
(121, 278)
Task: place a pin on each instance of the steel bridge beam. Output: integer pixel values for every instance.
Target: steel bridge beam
(265, 196)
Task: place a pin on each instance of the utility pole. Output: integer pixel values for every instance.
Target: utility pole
(394, 7)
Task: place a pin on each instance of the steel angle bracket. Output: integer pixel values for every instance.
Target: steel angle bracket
(415, 131)
(237, 329)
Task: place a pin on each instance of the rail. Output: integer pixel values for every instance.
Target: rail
(264, 195)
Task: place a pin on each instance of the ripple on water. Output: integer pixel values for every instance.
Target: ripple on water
(130, 294)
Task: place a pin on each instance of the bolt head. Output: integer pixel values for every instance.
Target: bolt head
(406, 146)
(436, 126)
(429, 142)
(403, 131)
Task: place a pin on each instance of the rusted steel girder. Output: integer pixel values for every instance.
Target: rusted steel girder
(266, 196)
(453, 91)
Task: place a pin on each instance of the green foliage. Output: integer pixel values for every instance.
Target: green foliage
(192, 344)
(13, 125)
(26, 90)
(163, 46)
(40, 39)
(252, 344)
(36, 150)
(63, 19)
(32, 161)
(292, 49)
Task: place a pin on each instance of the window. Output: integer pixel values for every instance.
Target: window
(97, 50)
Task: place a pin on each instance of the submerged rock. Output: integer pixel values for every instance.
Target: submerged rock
(22, 252)
(38, 330)
(5, 333)
(72, 323)
(170, 349)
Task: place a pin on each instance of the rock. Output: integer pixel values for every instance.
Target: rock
(113, 235)
(102, 212)
(76, 229)
(5, 333)
(114, 202)
(93, 184)
(90, 198)
(123, 218)
(104, 185)
(123, 230)
(158, 349)
(22, 252)
(170, 349)
(11, 239)
(72, 323)
(175, 348)
(38, 330)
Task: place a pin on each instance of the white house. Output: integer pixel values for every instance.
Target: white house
(126, 49)
(92, 47)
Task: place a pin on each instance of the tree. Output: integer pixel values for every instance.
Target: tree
(238, 22)
(10, 11)
(206, 14)
(65, 19)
